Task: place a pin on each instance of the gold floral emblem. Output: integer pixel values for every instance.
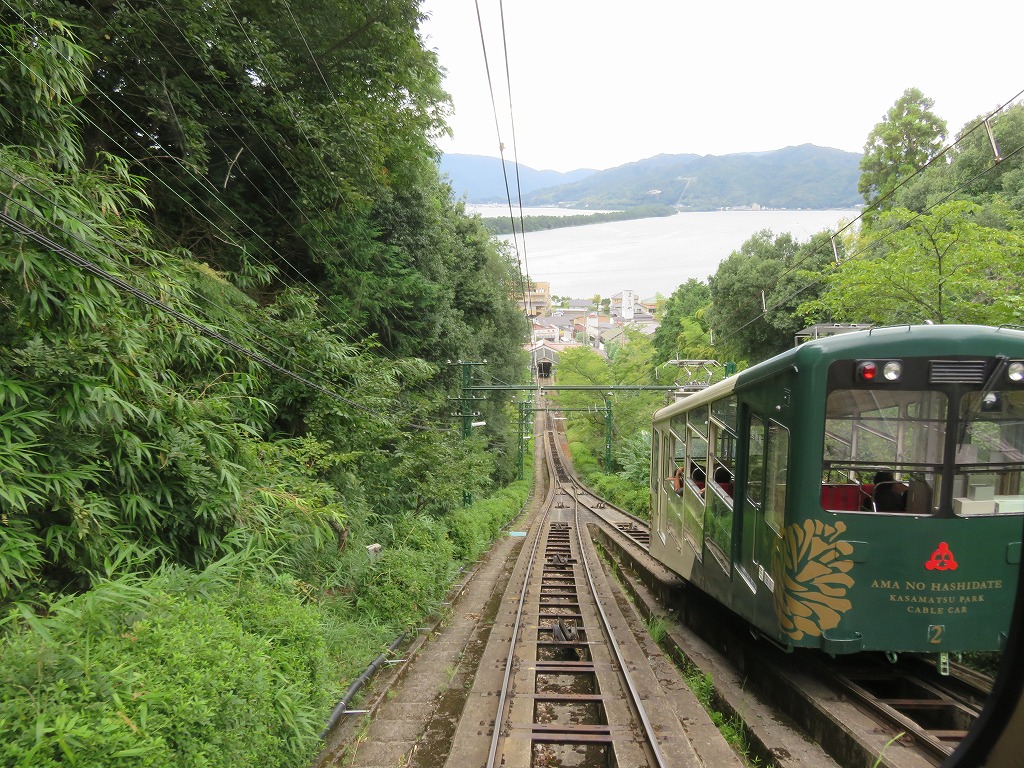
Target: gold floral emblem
(814, 567)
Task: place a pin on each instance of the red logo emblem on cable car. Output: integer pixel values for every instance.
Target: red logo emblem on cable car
(941, 559)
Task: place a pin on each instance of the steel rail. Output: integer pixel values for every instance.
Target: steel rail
(620, 659)
(637, 702)
(503, 696)
(558, 475)
(601, 513)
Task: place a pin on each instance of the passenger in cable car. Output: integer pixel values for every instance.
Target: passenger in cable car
(678, 478)
(888, 494)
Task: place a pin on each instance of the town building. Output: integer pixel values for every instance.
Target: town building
(624, 304)
(537, 301)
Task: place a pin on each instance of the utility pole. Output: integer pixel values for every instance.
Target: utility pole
(608, 434)
(525, 432)
(467, 399)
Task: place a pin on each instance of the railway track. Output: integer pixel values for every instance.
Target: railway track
(926, 711)
(568, 694)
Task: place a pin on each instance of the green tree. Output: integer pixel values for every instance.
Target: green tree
(683, 307)
(899, 146)
(954, 264)
(741, 288)
(634, 365)
(974, 172)
(757, 291)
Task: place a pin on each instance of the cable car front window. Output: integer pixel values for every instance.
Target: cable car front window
(990, 454)
(891, 438)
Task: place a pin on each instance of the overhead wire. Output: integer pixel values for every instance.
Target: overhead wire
(99, 271)
(201, 328)
(238, 322)
(298, 124)
(228, 237)
(777, 304)
(902, 226)
(515, 152)
(368, 164)
(523, 277)
(290, 351)
(196, 296)
(875, 206)
(258, 134)
(18, 181)
(361, 225)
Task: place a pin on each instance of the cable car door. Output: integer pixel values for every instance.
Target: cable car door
(764, 506)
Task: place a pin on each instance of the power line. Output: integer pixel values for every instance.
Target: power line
(361, 225)
(256, 132)
(876, 206)
(19, 181)
(524, 278)
(228, 236)
(902, 226)
(515, 148)
(201, 328)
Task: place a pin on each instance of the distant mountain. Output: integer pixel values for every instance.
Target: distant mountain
(795, 177)
(480, 179)
(806, 176)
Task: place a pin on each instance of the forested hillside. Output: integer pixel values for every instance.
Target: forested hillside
(231, 283)
(795, 177)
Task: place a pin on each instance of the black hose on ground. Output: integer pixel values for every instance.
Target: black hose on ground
(353, 689)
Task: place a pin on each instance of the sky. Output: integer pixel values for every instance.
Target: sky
(599, 83)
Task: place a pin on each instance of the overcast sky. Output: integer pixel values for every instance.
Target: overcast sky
(599, 83)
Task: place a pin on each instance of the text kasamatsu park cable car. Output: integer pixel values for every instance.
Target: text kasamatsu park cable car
(858, 492)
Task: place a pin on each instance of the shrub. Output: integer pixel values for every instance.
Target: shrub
(422, 533)
(404, 585)
(142, 673)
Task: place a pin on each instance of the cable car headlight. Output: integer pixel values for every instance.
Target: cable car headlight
(867, 371)
(892, 370)
(1015, 371)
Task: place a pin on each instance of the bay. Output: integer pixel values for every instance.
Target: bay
(652, 256)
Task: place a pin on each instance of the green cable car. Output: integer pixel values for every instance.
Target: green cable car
(859, 492)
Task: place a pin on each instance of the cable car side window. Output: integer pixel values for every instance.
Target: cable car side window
(697, 458)
(724, 411)
(776, 464)
(755, 461)
(718, 493)
(676, 464)
(767, 463)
